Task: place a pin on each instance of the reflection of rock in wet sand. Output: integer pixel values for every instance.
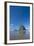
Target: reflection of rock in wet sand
(22, 33)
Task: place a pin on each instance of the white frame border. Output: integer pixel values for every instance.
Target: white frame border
(19, 41)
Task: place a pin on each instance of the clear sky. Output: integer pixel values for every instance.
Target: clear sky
(19, 15)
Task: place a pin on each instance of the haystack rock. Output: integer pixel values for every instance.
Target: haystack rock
(21, 32)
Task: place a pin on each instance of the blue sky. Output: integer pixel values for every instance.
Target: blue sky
(19, 15)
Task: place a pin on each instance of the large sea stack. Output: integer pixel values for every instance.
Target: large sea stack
(21, 32)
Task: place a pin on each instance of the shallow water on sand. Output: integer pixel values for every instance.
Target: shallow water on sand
(14, 35)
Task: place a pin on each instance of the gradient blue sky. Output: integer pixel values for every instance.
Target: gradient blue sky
(19, 15)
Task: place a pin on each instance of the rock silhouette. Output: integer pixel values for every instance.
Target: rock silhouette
(21, 32)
